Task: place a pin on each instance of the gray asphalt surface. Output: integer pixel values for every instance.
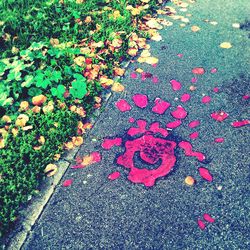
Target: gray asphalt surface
(96, 213)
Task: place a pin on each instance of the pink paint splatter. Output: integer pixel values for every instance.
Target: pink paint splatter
(219, 116)
(123, 105)
(141, 128)
(198, 71)
(96, 157)
(206, 99)
(79, 166)
(67, 183)
(201, 224)
(219, 140)
(133, 75)
(175, 85)
(208, 218)
(131, 120)
(174, 124)
(194, 124)
(216, 90)
(180, 55)
(213, 70)
(194, 80)
(154, 65)
(188, 149)
(185, 97)
(205, 174)
(246, 97)
(113, 176)
(155, 79)
(239, 124)
(194, 135)
(155, 128)
(145, 75)
(179, 113)
(140, 100)
(109, 143)
(160, 106)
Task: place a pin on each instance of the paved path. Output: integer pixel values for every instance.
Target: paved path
(134, 211)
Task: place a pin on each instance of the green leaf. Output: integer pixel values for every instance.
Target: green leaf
(59, 91)
(79, 87)
(56, 76)
(34, 91)
(28, 81)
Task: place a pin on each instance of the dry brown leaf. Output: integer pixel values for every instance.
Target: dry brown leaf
(50, 170)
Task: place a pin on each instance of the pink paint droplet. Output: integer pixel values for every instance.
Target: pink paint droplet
(213, 70)
(155, 128)
(201, 224)
(133, 75)
(198, 71)
(239, 124)
(154, 65)
(175, 85)
(188, 149)
(194, 80)
(219, 116)
(131, 120)
(185, 97)
(194, 123)
(208, 218)
(140, 130)
(113, 176)
(179, 113)
(246, 97)
(194, 135)
(216, 90)
(160, 106)
(180, 55)
(123, 105)
(206, 99)
(67, 183)
(174, 124)
(219, 140)
(140, 100)
(96, 157)
(109, 143)
(79, 166)
(155, 79)
(205, 174)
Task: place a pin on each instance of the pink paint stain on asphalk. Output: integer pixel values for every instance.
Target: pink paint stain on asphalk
(194, 80)
(194, 124)
(133, 75)
(123, 105)
(219, 140)
(145, 75)
(205, 174)
(160, 106)
(174, 124)
(67, 183)
(179, 113)
(201, 224)
(198, 71)
(151, 150)
(194, 135)
(208, 218)
(175, 85)
(239, 124)
(216, 89)
(78, 166)
(246, 97)
(155, 79)
(109, 143)
(140, 130)
(188, 149)
(140, 100)
(213, 70)
(96, 157)
(185, 97)
(113, 176)
(219, 116)
(131, 120)
(180, 55)
(206, 99)
(155, 128)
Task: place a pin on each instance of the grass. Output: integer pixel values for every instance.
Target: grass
(56, 57)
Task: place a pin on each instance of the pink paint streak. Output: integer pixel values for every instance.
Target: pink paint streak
(185, 97)
(96, 157)
(109, 143)
(133, 75)
(174, 124)
(219, 116)
(179, 113)
(213, 70)
(160, 106)
(246, 97)
(194, 124)
(219, 140)
(208, 218)
(198, 71)
(140, 100)
(155, 128)
(67, 183)
(188, 149)
(175, 85)
(205, 174)
(194, 135)
(180, 55)
(206, 99)
(201, 224)
(78, 166)
(113, 176)
(123, 105)
(131, 120)
(194, 80)
(216, 90)
(140, 130)
(155, 79)
(239, 124)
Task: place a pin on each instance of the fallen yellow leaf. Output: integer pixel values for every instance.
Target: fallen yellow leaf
(226, 45)
(117, 87)
(195, 28)
(50, 170)
(152, 60)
